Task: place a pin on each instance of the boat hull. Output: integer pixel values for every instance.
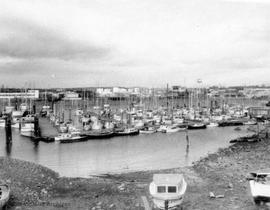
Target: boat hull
(99, 135)
(131, 133)
(5, 195)
(192, 127)
(27, 133)
(172, 204)
(72, 140)
(260, 192)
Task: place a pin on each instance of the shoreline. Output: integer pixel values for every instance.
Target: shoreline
(222, 173)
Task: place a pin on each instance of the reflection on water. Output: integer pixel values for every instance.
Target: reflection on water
(120, 154)
(186, 156)
(8, 148)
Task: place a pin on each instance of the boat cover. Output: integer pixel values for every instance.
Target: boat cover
(167, 179)
(261, 172)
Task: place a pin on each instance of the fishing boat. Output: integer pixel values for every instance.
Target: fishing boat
(69, 137)
(212, 124)
(259, 183)
(168, 190)
(162, 128)
(127, 132)
(197, 126)
(27, 130)
(250, 122)
(2, 122)
(173, 129)
(148, 130)
(4, 195)
(99, 134)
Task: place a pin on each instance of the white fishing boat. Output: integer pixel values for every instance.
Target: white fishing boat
(212, 124)
(2, 122)
(129, 131)
(4, 195)
(139, 124)
(16, 122)
(69, 137)
(63, 128)
(148, 130)
(250, 122)
(259, 183)
(168, 190)
(162, 128)
(27, 130)
(172, 129)
(197, 126)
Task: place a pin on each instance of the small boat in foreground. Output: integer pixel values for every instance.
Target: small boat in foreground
(168, 190)
(4, 195)
(259, 183)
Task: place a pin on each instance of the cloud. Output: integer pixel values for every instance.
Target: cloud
(24, 39)
(250, 1)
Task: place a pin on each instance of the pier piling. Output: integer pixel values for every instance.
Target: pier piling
(34, 109)
(36, 127)
(187, 138)
(8, 129)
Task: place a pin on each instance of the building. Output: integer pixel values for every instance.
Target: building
(263, 112)
(71, 96)
(30, 94)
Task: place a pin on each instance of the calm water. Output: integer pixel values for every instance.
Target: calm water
(120, 154)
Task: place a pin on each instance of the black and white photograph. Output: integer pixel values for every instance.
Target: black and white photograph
(134, 104)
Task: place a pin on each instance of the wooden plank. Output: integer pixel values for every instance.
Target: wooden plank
(145, 203)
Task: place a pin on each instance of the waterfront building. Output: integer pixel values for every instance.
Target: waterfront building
(72, 96)
(30, 94)
(259, 112)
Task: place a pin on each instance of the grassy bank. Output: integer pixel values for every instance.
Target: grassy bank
(222, 173)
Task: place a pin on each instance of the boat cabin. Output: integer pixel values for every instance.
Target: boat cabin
(167, 183)
(167, 190)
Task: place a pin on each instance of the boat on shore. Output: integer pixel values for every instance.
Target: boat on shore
(168, 190)
(259, 183)
(4, 195)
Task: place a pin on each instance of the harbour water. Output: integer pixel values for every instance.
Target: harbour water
(120, 154)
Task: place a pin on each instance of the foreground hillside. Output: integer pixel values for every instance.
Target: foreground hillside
(223, 173)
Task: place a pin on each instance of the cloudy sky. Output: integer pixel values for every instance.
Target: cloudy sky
(65, 43)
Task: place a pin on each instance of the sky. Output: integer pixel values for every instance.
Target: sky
(86, 43)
